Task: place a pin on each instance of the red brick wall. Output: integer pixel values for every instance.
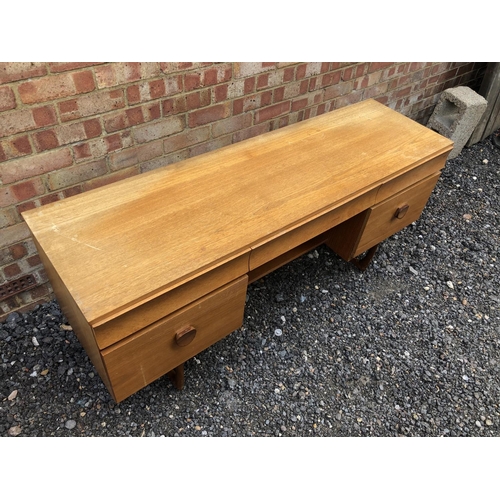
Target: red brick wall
(70, 127)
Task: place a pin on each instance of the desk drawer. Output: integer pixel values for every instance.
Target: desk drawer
(160, 307)
(152, 352)
(367, 229)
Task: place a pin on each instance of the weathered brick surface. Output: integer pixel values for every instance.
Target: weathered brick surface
(93, 104)
(75, 175)
(133, 156)
(54, 87)
(7, 99)
(70, 127)
(111, 75)
(27, 167)
(162, 128)
(11, 72)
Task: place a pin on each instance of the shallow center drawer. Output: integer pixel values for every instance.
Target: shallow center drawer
(145, 356)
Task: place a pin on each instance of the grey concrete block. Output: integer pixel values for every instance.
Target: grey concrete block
(456, 114)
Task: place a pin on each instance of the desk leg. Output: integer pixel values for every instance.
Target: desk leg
(364, 262)
(176, 376)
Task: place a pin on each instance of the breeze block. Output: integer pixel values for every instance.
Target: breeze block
(456, 115)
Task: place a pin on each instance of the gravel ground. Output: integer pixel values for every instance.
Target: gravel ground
(410, 347)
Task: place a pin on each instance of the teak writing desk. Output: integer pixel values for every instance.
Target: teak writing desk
(153, 269)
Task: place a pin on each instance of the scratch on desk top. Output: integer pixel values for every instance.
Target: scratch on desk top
(72, 238)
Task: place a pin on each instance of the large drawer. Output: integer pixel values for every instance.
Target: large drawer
(145, 356)
(384, 219)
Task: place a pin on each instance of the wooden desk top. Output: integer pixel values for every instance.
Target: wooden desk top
(116, 246)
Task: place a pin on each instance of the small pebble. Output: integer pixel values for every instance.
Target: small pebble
(70, 424)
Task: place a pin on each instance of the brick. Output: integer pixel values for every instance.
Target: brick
(28, 189)
(12, 270)
(8, 216)
(77, 174)
(113, 142)
(158, 129)
(153, 164)
(92, 104)
(299, 104)
(59, 67)
(288, 75)
(173, 67)
(207, 77)
(49, 88)
(135, 155)
(28, 205)
(262, 81)
(7, 99)
(34, 261)
(293, 90)
(157, 89)
(92, 128)
(309, 69)
(111, 75)
(14, 71)
(45, 200)
(39, 292)
(32, 166)
(196, 100)
(44, 116)
(45, 140)
(254, 131)
(402, 92)
(147, 91)
(14, 234)
(131, 117)
(233, 89)
(123, 119)
(245, 69)
(133, 94)
(67, 134)
(7, 197)
(19, 146)
(18, 251)
(231, 124)
(218, 74)
(273, 111)
(14, 122)
(338, 90)
(104, 145)
(376, 66)
(153, 111)
(109, 179)
(351, 98)
(186, 139)
(82, 151)
(72, 191)
(376, 91)
(207, 115)
(251, 102)
(220, 93)
(205, 147)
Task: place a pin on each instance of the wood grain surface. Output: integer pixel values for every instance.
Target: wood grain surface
(121, 245)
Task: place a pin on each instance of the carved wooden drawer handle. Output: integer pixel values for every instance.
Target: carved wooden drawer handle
(401, 211)
(185, 336)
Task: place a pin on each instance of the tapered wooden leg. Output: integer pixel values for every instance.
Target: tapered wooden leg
(176, 376)
(363, 263)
